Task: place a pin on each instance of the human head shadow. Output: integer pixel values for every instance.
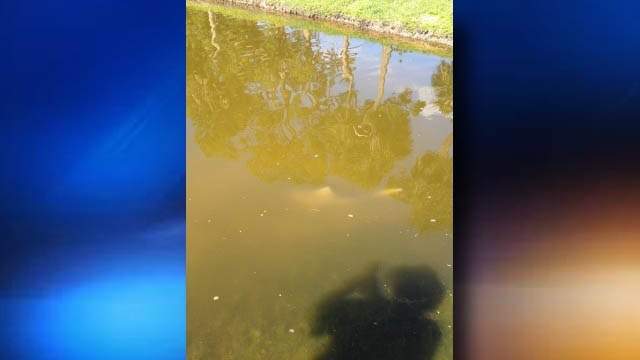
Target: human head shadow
(382, 315)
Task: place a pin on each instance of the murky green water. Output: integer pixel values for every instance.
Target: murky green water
(319, 189)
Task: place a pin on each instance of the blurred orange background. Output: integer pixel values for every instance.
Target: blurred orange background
(561, 280)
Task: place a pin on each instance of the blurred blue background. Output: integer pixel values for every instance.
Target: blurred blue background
(92, 181)
(92, 150)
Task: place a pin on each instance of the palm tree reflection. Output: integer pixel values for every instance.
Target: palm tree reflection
(442, 82)
(274, 96)
(278, 97)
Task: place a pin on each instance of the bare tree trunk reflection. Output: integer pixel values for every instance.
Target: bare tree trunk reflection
(347, 72)
(212, 27)
(384, 64)
(366, 128)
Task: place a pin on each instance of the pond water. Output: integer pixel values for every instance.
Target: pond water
(319, 193)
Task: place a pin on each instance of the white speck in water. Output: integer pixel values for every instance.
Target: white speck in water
(216, 298)
(189, 199)
(280, 295)
(351, 215)
(429, 197)
(240, 230)
(208, 220)
(449, 265)
(315, 210)
(292, 331)
(316, 156)
(433, 220)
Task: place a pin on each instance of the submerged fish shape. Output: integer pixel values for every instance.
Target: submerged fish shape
(326, 196)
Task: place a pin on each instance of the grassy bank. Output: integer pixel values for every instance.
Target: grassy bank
(425, 15)
(423, 20)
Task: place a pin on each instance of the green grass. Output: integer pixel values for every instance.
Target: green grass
(432, 15)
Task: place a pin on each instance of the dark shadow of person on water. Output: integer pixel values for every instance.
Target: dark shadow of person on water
(382, 315)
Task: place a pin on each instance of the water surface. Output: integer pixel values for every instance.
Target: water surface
(319, 192)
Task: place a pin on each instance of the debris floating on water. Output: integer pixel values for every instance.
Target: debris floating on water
(216, 298)
(351, 215)
(433, 220)
(292, 331)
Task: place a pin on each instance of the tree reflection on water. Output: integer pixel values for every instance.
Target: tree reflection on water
(293, 110)
(291, 106)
